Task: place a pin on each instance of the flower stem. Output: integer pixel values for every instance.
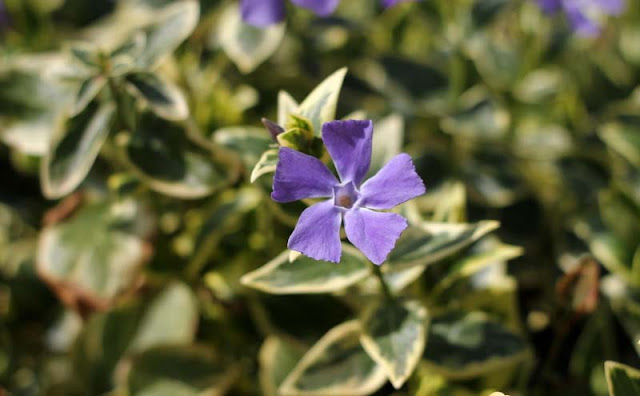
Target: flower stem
(383, 285)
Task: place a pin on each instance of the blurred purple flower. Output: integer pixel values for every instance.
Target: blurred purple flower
(317, 234)
(4, 16)
(585, 16)
(263, 13)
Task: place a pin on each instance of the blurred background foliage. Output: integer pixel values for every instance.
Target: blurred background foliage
(136, 221)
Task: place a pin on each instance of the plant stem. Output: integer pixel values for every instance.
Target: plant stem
(383, 285)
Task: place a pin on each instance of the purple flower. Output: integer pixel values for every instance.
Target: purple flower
(585, 16)
(263, 13)
(317, 234)
(4, 16)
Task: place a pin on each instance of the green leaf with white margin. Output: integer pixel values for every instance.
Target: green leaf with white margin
(31, 104)
(277, 358)
(623, 138)
(431, 242)
(394, 335)
(249, 143)
(176, 371)
(622, 380)
(170, 27)
(321, 104)
(305, 275)
(479, 117)
(266, 164)
(162, 155)
(464, 345)
(336, 365)
(162, 97)
(387, 141)
(482, 255)
(74, 149)
(96, 255)
(170, 319)
(247, 46)
(89, 89)
(287, 106)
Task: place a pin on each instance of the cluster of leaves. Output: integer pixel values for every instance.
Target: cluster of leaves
(154, 262)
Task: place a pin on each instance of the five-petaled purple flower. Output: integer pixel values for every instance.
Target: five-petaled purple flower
(263, 13)
(584, 15)
(317, 234)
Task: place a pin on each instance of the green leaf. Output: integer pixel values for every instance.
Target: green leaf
(286, 107)
(320, 106)
(171, 26)
(623, 138)
(277, 358)
(170, 319)
(162, 155)
(86, 54)
(482, 256)
(622, 379)
(178, 371)
(247, 46)
(306, 275)
(30, 104)
(297, 139)
(163, 98)
(89, 89)
(432, 242)
(249, 143)
(266, 164)
(95, 256)
(336, 365)
(388, 138)
(466, 345)
(74, 149)
(394, 335)
(479, 117)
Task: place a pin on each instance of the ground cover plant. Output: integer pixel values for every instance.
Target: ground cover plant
(358, 197)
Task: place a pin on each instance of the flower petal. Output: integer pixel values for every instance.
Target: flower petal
(319, 7)
(611, 7)
(391, 3)
(300, 176)
(349, 144)
(317, 234)
(581, 23)
(262, 13)
(549, 6)
(395, 183)
(374, 233)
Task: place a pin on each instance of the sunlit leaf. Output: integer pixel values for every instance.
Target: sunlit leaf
(277, 358)
(306, 275)
(431, 242)
(622, 379)
(394, 335)
(320, 106)
(466, 345)
(163, 98)
(335, 365)
(95, 256)
(246, 45)
(266, 164)
(170, 319)
(74, 149)
(89, 89)
(249, 142)
(162, 154)
(172, 25)
(178, 371)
